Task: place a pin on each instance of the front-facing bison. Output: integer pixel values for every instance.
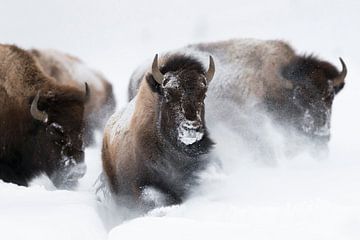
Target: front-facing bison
(41, 123)
(160, 139)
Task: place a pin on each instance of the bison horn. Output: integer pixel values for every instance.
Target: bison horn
(35, 112)
(340, 79)
(211, 71)
(87, 92)
(158, 76)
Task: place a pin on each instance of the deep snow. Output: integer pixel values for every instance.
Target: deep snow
(301, 198)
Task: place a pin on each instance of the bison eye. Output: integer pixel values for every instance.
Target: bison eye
(60, 142)
(167, 97)
(56, 129)
(171, 96)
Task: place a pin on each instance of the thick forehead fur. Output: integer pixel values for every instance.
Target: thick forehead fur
(182, 71)
(180, 62)
(309, 69)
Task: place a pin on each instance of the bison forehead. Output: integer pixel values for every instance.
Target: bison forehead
(171, 81)
(185, 83)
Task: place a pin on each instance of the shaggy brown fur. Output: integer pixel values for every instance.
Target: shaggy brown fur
(141, 146)
(29, 147)
(71, 71)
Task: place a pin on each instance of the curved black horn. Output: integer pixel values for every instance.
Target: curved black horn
(211, 71)
(35, 112)
(158, 76)
(341, 78)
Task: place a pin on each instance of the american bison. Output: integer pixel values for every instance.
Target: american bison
(297, 90)
(71, 71)
(41, 122)
(160, 139)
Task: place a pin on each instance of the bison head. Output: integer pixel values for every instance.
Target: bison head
(57, 135)
(181, 85)
(314, 84)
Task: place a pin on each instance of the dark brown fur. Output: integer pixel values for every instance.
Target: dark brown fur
(62, 67)
(29, 147)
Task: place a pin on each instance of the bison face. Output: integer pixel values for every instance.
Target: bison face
(182, 94)
(182, 107)
(58, 136)
(67, 153)
(309, 102)
(312, 110)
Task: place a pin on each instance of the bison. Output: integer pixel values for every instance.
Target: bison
(297, 90)
(160, 139)
(69, 70)
(41, 122)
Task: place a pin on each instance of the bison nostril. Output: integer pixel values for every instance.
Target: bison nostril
(192, 125)
(190, 117)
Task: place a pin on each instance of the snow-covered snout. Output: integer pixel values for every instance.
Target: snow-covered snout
(190, 131)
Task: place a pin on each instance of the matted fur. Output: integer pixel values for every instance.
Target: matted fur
(71, 71)
(29, 147)
(139, 150)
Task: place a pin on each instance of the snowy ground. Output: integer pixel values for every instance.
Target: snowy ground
(303, 198)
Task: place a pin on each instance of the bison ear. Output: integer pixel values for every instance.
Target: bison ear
(153, 84)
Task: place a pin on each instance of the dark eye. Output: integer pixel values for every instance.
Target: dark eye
(171, 96)
(56, 129)
(168, 97)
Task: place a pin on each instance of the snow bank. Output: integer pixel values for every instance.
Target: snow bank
(36, 213)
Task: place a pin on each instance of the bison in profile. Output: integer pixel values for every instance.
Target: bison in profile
(160, 139)
(41, 122)
(71, 71)
(297, 91)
